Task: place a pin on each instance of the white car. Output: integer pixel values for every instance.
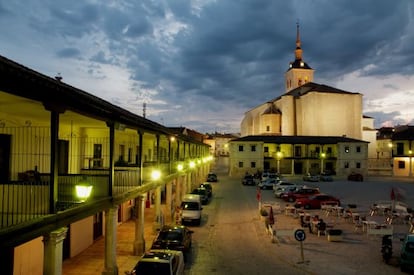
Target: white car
(267, 183)
(169, 262)
(279, 191)
(282, 183)
(267, 175)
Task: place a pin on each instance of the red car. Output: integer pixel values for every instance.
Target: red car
(315, 201)
(300, 193)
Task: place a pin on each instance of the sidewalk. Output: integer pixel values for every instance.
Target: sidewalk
(91, 261)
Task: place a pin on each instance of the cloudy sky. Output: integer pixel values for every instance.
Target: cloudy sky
(202, 63)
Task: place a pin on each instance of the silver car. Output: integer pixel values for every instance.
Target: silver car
(279, 191)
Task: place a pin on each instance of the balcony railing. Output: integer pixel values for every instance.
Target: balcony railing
(28, 199)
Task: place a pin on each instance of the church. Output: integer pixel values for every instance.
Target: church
(308, 110)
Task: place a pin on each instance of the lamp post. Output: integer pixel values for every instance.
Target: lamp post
(323, 156)
(410, 173)
(279, 156)
(155, 176)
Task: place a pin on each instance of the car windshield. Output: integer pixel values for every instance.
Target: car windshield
(409, 247)
(152, 268)
(189, 206)
(170, 236)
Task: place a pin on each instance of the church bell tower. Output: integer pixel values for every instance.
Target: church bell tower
(299, 71)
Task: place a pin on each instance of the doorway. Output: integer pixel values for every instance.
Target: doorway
(5, 143)
(63, 156)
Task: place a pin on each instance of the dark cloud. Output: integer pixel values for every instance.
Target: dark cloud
(225, 57)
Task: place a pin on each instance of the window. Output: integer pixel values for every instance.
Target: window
(266, 149)
(401, 164)
(129, 154)
(346, 149)
(346, 165)
(358, 165)
(253, 164)
(329, 150)
(253, 148)
(358, 149)
(267, 128)
(240, 148)
(121, 152)
(97, 155)
(240, 164)
(400, 148)
(298, 151)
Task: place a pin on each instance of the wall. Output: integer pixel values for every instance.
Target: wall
(328, 114)
(28, 258)
(81, 235)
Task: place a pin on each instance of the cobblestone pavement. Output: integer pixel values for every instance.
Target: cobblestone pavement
(232, 238)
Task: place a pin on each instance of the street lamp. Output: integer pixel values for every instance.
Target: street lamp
(155, 175)
(409, 155)
(83, 190)
(279, 156)
(323, 155)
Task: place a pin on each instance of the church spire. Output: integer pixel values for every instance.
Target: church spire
(298, 50)
(299, 72)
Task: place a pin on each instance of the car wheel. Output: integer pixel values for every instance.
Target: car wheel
(198, 222)
(307, 206)
(291, 199)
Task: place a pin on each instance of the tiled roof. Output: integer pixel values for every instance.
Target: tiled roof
(404, 133)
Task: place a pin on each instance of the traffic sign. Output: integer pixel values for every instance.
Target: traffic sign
(300, 235)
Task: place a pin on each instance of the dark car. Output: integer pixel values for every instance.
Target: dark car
(248, 180)
(174, 237)
(356, 177)
(203, 194)
(208, 187)
(300, 193)
(211, 177)
(315, 201)
(407, 253)
(324, 176)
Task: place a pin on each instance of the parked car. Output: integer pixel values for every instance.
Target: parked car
(211, 177)
(315, 201)
(311, 177)
(356, 177)
(208, 187)
(191, 208)
(279, 191)
(174, 237)
(325, 177)
(248, 180)
(267, 175)
(267, 183)
(282, 183)
(300, 193)
(407, 253)
(203, 194)
(154, 262)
